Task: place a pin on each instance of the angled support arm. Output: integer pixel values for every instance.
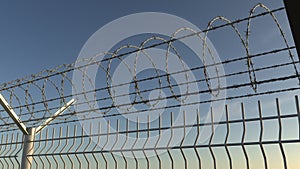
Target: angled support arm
(57, 113)
(21, 125)
(13, 115)
(29, 133)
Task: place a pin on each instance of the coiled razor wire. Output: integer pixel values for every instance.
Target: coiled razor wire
(36, 97)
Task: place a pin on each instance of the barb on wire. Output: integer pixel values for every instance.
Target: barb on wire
(35, 97)
(38, 96)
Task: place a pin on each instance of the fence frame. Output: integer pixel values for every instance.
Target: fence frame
(29, 133)
(82, 146)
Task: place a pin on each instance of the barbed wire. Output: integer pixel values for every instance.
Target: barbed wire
(194, 93)
(36, 97)
(69, 145)
(162, 87)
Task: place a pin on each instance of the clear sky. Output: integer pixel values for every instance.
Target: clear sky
(35, 35)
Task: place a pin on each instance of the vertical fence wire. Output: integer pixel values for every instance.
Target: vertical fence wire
(56, 150)
(243, 136)
(185, 134)
(226, 138)
(280, 134)
(261, 135)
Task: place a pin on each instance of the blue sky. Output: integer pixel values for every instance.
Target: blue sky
(36, 35)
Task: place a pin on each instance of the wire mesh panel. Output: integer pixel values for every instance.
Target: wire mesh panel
(239, 111)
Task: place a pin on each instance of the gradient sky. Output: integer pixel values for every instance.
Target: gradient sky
(36, 35)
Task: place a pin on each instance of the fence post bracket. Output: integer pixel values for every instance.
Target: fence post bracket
(29, 133)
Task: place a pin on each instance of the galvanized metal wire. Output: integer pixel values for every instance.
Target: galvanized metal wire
(121, 143)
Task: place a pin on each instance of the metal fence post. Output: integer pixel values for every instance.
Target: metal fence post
(29, 133)
(28, 148)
